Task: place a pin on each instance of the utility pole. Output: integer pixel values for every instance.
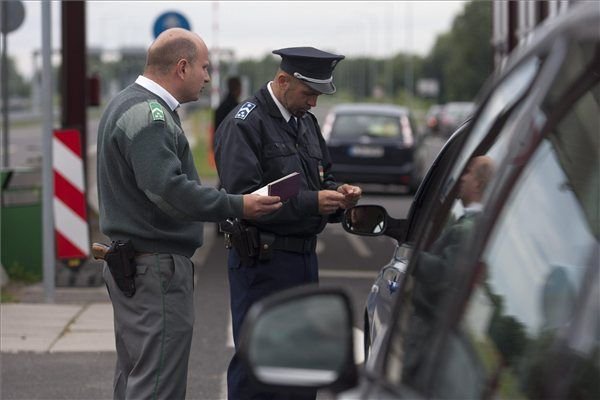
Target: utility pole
(47, 178)
(74, 76)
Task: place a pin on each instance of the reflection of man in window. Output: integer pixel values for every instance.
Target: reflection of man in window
(434, 267)
(472, 186)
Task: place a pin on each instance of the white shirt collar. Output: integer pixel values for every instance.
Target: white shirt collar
(473, 208)
(284, 112)
(159, 91)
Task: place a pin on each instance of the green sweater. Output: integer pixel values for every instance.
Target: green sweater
(148, 188)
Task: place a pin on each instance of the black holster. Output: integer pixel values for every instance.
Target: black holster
(120, 259)
(243, 238)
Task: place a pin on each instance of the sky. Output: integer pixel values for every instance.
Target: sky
(253, 29)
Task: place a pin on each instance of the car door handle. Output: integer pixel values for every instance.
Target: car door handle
(393, 286)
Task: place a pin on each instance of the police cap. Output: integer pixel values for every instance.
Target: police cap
(312, 66)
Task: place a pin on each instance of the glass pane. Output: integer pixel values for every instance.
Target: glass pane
(369, 125)
(505, 96)
(531, 328)
(302, 341)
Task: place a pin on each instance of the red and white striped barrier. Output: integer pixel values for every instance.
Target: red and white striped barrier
(70, 210)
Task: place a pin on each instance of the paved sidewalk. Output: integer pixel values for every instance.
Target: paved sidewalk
(54, 328)
(79, 320)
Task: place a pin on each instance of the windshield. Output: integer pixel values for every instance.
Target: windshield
(355, 125)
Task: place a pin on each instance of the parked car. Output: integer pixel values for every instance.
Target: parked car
(452, 115)
(372, 143)
(509, 305)
(432, 118)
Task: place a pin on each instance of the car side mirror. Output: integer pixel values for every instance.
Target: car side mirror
(372, 220)
(300, 339)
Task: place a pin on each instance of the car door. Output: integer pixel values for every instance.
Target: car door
(529, 324)
(408, 345)
(428, 351)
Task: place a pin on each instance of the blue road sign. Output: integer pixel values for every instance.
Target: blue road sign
(171, 19)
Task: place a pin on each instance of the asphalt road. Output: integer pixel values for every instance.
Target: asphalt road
(345, 260)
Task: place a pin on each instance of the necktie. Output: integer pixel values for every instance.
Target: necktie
(293, 124)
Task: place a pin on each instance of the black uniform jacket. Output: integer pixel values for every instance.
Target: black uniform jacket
(255, 145)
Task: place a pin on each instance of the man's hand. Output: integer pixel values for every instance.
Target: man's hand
(256, 206)
(329, 201)
(351, 195)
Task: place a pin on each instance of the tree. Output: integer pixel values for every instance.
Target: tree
(462, 59)
(17, 87)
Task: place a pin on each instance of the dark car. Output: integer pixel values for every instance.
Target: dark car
(452, 115)
(372, 143)
(500, 297)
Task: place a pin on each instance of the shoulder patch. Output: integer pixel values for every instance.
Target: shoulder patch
(245, 110)
(158, 114)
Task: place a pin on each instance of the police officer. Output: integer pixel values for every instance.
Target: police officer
(271, 135)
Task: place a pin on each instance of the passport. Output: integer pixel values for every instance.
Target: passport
(286, 187)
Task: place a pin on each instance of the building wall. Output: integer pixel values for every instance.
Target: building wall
(514, 21)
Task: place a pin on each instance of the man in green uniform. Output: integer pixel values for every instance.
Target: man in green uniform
(150, 197)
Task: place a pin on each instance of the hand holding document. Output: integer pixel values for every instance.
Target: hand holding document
(286, 187)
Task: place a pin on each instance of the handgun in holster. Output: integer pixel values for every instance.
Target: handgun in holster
(247, 240)
(243, 238)
(120, 258)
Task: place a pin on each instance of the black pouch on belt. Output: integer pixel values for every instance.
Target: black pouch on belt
(120, 258)
(266, 246)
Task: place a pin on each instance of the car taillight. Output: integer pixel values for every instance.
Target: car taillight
(407, 133)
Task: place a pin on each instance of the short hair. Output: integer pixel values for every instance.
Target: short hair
(168, 53)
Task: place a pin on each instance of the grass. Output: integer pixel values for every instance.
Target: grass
(200, 132)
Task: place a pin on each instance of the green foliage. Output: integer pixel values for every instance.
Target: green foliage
(201, 122)
(18, 272)
(462, 59)
(17, 87)
(6, 297)
(259, 72)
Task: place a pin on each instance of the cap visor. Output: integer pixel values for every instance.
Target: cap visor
(325, 88)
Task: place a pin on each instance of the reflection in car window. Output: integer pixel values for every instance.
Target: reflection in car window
(505, 96)
(534, 280)
(424, 296)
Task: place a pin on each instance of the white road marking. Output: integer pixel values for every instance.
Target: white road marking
(359, 245)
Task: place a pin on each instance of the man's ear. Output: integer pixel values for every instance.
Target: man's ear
(283, 80)
(181, 68)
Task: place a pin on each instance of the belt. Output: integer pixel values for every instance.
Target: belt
(140, 254)
(295, 244)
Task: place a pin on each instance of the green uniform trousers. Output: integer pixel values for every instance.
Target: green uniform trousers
(153, 329)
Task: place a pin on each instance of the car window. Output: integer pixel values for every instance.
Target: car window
(531, 326)
(433, 270)
(355, 125)
(510, 91)
(435, 259)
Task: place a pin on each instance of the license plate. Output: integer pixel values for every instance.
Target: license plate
(366, 151)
